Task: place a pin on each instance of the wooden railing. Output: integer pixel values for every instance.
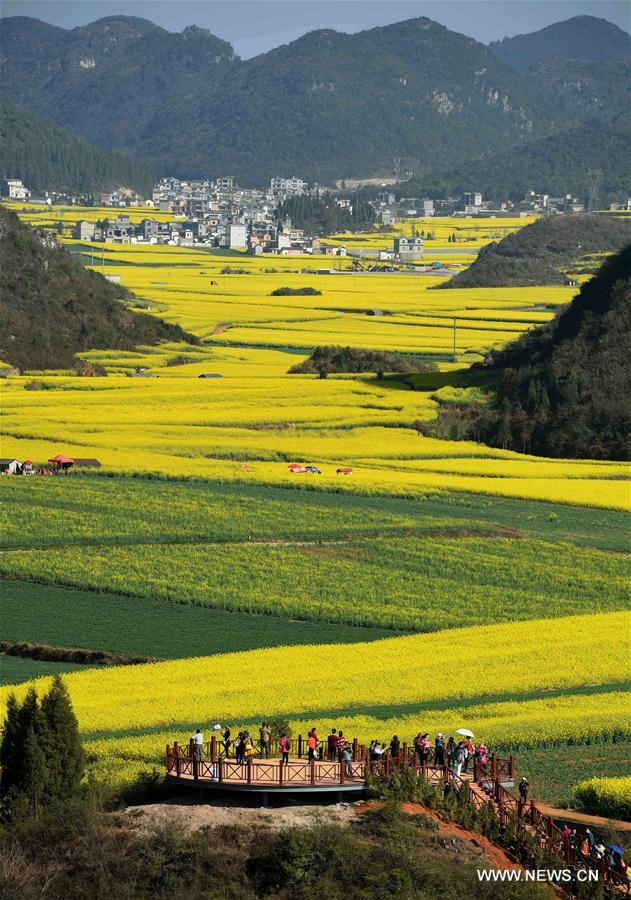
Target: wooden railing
(529, 820)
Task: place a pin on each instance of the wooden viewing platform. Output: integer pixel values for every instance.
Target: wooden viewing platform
(213, 770)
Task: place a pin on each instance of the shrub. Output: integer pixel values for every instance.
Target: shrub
(295, 292)
(606, 796)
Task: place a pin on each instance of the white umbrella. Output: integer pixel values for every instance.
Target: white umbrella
(465, 732)
(217, 727)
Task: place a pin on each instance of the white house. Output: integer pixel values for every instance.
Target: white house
(14, 189)
(237, 237)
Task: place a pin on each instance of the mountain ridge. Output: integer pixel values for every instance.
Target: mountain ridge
(326, 105)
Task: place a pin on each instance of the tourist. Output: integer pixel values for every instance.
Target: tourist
(226, 742)
(565, 835)
(591, 840)
(198, 744)
(264, 739)
(332, 745)
(285, 747)
(395, 747)
(248, 748)
(426, 747)
(459, 757)
(341, 743)
(376, 751)
(599, 851)
(312, 745)
(481, 754)
(450, 752)
(470, 751)
(347, 760)
(418, 748)
(439, 750)
(523, 789)
(239, 748)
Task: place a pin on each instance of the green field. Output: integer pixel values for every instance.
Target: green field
(552, 771)
(90, 509)
(135, 626)
(172, 569)
(15, 669)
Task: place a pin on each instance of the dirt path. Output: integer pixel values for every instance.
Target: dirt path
(496, 855)
(223, 326)
(572, 815)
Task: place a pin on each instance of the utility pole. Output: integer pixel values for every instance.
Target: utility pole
(455, 335)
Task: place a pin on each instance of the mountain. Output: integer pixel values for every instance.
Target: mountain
(46, 156)
(326, 105)
(106, 80)
(581, 37)
(561, 390)
(557, 164)
(582, 64)
(541, 252)
(52, 308)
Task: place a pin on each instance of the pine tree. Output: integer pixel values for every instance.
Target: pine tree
(11, 747)
(23, 755)
(65, 753)
(35, 772)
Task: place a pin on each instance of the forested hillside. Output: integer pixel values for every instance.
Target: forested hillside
(52, 308)
(557, 165)
(561, 390)
(541, 252)
(47, 157)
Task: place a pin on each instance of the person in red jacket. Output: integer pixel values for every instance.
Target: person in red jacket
(285, 747)
(332, 745)
(312, 745)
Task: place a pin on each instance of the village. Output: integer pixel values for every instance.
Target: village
(220, 214)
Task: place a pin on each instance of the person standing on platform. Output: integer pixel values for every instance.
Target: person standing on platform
(198, 744)
(439, 750)
(332, 745)
(264, 739)
(312, 745)
(285, 747)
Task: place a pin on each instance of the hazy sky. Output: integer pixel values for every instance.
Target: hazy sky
(253, 27)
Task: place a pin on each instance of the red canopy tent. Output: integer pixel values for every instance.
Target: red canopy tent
(61, 461)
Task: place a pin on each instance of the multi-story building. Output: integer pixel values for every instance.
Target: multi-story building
(14, 189)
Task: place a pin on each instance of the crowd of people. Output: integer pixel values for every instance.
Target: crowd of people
(591, 849)
(458, 755)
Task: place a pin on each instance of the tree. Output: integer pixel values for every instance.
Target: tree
(23, 756)
(41, 754)
(65, 752)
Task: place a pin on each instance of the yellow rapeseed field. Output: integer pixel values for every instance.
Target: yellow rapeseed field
(387, 686)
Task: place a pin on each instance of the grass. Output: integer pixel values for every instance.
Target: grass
(552, 771)
(14, 669)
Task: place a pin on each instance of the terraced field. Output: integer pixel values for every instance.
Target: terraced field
(441, 584)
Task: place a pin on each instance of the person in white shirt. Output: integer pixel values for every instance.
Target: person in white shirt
(198, 744)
